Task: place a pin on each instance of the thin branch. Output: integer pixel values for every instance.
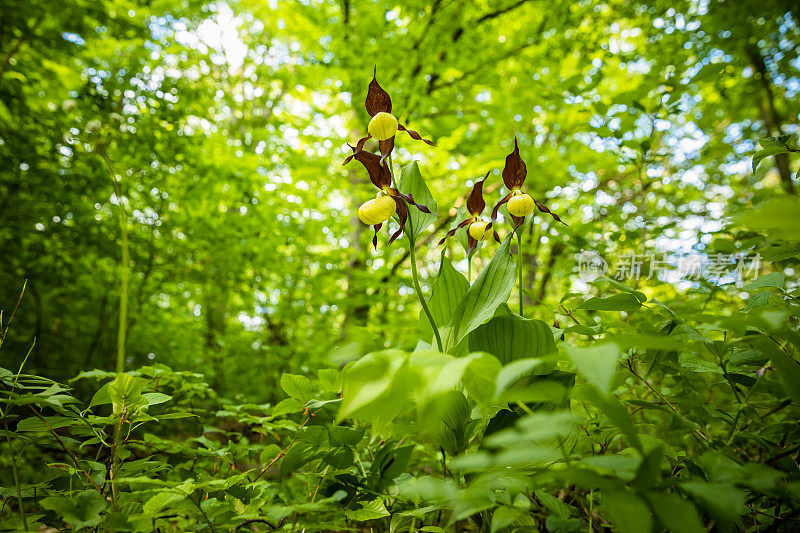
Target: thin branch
(64, 447)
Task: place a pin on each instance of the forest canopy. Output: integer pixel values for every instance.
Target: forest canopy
(442, 265)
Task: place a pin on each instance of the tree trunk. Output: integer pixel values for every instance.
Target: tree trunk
(769, 114)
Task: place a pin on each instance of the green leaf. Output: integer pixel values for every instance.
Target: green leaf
(461, 233)
(618, 302)
(675, 514)
(285, 406)
(345, 436)
(780, 252)
(490, 290)
(155, 398)
(597, 363)
(788, 369)
(510, 337)
(625, 288)
(513, 371)
(766, 152)
(339, 458)
(168, 497)
(627, 511)
(125, 393)
(504, 516)
(723, 501)
(389, 463)
(376, 387)
(297, 387)
(773, 279)
(780, 217)
(371, 510)
(553, 504)
(412, 182)
(81, 510)
(447, 291)
(447, 417)
(616, 412)
(299, 454)
(34, 424)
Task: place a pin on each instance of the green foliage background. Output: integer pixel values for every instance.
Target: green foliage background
(225, 125)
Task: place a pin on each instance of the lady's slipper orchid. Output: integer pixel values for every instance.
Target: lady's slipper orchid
(389, 201)
(520, 204)
(378, 210)
(479, 230)
(383, 125)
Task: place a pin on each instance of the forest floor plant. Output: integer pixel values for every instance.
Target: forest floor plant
(655, 416)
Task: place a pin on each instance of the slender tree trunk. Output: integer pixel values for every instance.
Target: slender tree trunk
(531, 261)
(214, 311)
(770, 115)
(358, 311)
(555, 251)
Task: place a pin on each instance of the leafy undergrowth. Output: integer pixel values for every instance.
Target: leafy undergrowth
(659, 419)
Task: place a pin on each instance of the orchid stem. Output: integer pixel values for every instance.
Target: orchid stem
(519, 253)
(415, 278)
(412, 252)
(469, 269)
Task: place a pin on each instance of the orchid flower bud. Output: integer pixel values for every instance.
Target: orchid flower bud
(520, 204)
(383, 126)
(477, 230)
(377, 211)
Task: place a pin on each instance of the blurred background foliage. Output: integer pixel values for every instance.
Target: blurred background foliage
(226, 124)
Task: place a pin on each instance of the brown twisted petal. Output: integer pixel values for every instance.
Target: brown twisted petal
(472, 243)
(515, 171)
(402, 215)
(475, 202)
(377, 99)
(496, 236)
(410, 199)
(386, 147)
(415, 135)
(517, 220)
(379, 173)
(377, 228)
(454, 230)
(357, 148)
(503, 200)
(544, 209)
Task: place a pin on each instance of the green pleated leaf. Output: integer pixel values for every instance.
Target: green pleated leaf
(510, 337)
(447, 291)
(447, 418)
(490, 290)
(411, 182)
